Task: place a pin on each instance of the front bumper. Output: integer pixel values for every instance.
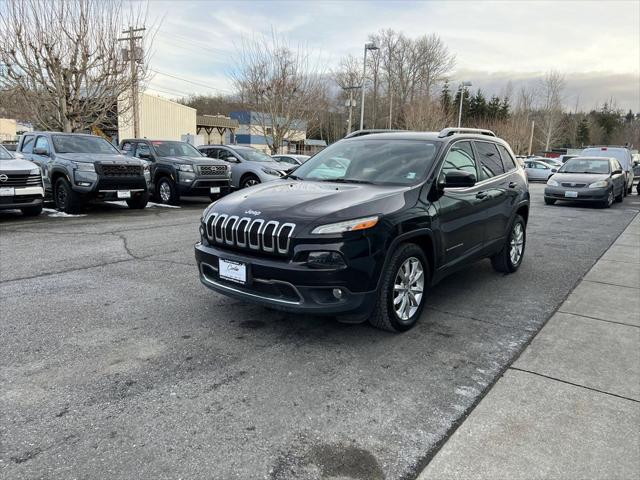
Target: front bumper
(23, 197)
(281, 284)
(189, 184)
(584, 194)
(106, 187)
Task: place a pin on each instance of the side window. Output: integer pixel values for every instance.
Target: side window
(27, 144)
(127, 147)
(142, 148)
(507, 160)
(490, 162)
(460, 157)
(43, 143)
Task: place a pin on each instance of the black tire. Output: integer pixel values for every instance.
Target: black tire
(638, 189)
(66, 199)
(139, 202)
(609, 201)
(620, 198)
(167, 191)
(502, 261)
(384, 315)
(550, 201)
(628, 191)
(249, 180)
(31, 211)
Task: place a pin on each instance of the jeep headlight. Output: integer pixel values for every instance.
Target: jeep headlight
(271, 171)
(347, 226)
(185, 168)
(552, 183)
(84, 166)
(600, 184)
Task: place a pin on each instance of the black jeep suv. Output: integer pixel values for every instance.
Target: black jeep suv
(363, 228)
(77, 168)
(178, 168)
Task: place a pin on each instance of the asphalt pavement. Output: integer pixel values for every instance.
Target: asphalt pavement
(117, 363)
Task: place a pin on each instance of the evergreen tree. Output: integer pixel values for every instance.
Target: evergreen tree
(629, 117)
(478, 106)
(493, 108)
(583, 135)
(445, 97)
(609, 120)
(504, 109)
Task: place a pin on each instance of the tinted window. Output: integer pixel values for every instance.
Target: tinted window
(82, 144)
(460, 157)
(43, 143)
(27, 144)
(175, 149)
(507, 160)
(490, 162)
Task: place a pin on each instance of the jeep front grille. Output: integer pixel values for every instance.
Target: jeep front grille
(21, 180)
(214, 170)
(250, 233)
(123, 170)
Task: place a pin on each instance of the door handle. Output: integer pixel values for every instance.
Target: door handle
(513, 184)
(481, 195)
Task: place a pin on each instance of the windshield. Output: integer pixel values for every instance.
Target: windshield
(381, 162)
(586, 165)
(82, 144)
(4, 154)
(175, 149)
(253, 155)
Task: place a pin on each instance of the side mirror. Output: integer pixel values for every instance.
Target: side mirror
(459, 179)
(144, 155)
(554, 170)
(41, 151)
(616, 172)
(231, 159)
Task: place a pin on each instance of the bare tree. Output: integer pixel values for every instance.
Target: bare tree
(64, 58)
(280, 85)
(551, 90)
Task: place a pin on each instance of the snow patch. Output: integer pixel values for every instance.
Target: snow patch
(50, 212)
(469, 392)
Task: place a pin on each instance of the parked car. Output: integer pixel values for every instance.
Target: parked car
(367, 242)
(20, 185)
(77, 168)
(552, 162)
(293, 160)
(587, 179)
(636, 167)
(538, 170)
(622, 154)
(179, 169)
(11, 146)
(249, 166)
(563, 158)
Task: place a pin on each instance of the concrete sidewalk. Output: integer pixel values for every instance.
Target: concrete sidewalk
(569, 407)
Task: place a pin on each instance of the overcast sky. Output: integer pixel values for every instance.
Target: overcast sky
(596, 44)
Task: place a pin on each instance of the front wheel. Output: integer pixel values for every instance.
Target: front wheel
(509, 258)
(167, 191)
(609, 201)
(139, 202)
(402, 293)
(249, 181)
(31, 211)
(66, 199)
(620, 198)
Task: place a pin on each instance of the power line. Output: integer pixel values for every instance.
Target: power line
(190, 81)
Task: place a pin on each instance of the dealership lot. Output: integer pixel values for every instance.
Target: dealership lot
(117, 362)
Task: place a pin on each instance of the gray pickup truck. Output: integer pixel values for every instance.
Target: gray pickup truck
(77, 168)
(20, 185)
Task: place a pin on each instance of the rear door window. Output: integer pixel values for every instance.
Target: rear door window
(508, 163)
(490, 161)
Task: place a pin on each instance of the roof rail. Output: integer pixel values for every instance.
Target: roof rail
(360, 133)
(447, 132)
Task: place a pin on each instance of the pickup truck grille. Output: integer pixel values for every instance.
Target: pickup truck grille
(20, 180)
(122, 170)
(249, 233)
(215, 170)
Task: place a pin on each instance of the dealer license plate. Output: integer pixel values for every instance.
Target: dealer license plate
(124, 193)
(215, 189)
(7, 191)
(234, 271)
(570, 194)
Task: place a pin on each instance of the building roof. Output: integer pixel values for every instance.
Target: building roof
(247, 117)
(216, 121)
(315, 143)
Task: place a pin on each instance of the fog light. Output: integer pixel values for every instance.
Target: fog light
(325, 259)
(84, 184)
(188, 180)
(337, 293)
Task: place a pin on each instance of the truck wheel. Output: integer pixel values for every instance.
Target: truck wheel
(31, 211)
(66, 199)
(167, 191)
(509, 258)
(402, 293)
(249, 181)
(139, 202)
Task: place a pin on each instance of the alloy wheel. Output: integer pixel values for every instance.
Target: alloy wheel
(165, 191)
(408, 288)
(516, 244)
(251, 182)
(610, 198)
(61, 197)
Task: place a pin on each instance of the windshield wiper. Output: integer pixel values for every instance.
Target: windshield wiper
(346, 180)
(293, 177)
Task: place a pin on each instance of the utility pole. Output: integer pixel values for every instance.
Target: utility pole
(350, 103)
(135, 56)
(533, 125)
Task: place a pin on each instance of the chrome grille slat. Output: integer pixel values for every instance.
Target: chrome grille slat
(252, 233)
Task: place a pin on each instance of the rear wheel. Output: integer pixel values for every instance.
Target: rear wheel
(139, 202)
(31, 211)
(66, 199)
(249, 181)
(550, 201)
(509, 259)
(167, 191)
(402, 293)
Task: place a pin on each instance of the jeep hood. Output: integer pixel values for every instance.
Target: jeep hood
(304, 202)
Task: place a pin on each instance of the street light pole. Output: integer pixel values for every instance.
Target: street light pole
(462, 89)
(367, 46)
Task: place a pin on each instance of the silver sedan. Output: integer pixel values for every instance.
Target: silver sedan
(538, 170)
